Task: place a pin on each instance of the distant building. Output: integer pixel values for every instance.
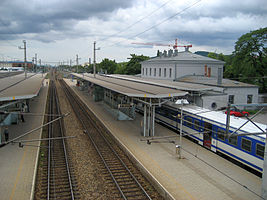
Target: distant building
(192, 68)
(15, 64)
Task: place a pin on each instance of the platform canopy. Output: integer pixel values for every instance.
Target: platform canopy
(18, 87)
(131, 88)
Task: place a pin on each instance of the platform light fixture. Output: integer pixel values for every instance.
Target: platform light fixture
(181, 102)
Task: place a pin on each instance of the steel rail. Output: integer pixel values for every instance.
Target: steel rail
(50, 130)
(52, 149)
(83, 108)
(64, 147)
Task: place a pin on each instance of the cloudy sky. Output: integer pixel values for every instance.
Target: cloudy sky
(58, 30)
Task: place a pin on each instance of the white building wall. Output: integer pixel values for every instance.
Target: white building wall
(182, 69)
(145, 71)
(241, 94)
(5, 64)
(214, 102)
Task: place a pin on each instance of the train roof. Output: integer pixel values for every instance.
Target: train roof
(220, 117)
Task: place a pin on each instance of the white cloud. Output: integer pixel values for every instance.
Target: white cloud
(60, 31)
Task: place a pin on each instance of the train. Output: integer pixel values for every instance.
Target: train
(208, 129)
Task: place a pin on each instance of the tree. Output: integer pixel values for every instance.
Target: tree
(108, 65)
(133, 66)
(121, 68)
(250, 58)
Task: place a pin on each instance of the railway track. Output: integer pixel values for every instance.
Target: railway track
(57, 182)
(129, 185)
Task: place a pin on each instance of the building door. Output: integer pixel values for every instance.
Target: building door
(207, 135)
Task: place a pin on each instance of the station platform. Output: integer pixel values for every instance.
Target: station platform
(200, 174)
(18, 165)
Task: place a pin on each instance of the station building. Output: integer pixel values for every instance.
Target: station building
(187, 67)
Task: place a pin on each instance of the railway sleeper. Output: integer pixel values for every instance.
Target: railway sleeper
(58, 195)
(120, 173)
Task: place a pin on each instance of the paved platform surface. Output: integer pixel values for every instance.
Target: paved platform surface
(188, 178)
(19, 87)
(17, 165)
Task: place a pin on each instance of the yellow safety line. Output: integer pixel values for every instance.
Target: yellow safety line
(18, 174)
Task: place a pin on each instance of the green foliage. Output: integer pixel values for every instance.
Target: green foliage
(121, 68)
(249, 58)
(108, 65)
(133, 66)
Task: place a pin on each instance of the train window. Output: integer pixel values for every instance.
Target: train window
(189, 122)
(246, 144)
(197, 124)
(233, 140)
(221, 134)
(172, 114)
(260, 150)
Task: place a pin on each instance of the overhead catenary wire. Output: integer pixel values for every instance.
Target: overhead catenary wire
(138, 21)
(154, 26)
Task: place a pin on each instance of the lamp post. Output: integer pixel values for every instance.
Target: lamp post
(181, 102)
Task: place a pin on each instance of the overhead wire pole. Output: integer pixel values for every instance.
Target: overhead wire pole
(95, 56)
(77, 62)
(36, 62)
(25, 58)
(40, 63)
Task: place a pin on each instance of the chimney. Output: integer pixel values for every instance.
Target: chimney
(165, 53)
(175, 52)
(170, 52)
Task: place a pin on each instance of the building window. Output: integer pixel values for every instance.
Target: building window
(246, 144)
(233, 140)
(260, 150)
(249, 98)
(150, 71)
(146, 71)
(170, 72)
(143, 71)
(155, 71)
(159, 72)
(165, 72)
(231, 99)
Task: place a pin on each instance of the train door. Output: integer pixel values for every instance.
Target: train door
(207, 135)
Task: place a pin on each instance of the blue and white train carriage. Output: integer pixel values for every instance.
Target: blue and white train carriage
(208, 127)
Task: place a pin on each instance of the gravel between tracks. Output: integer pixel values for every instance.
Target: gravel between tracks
(90, 181)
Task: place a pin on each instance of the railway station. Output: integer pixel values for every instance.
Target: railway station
(198, 174)
(123, 95)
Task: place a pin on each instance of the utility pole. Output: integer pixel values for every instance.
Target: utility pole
(40, 63)
(95, 55)
(36, 62)
(33, 63)
(77, 62)
(25, 59)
